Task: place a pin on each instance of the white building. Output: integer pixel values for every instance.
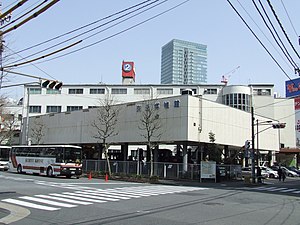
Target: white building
(223, 110)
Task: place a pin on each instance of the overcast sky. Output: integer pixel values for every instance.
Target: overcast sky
(210, 22)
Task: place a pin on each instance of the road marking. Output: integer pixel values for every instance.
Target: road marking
(102, 194)
(83, 194)
(30, 205)
(78, 198)
(16, 213)
(49, 202)
(288, 190)
(87, 197)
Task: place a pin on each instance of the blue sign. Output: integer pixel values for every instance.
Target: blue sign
(292, 88)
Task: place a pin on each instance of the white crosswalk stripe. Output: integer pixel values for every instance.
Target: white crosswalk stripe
(88, 196)
(274, 189)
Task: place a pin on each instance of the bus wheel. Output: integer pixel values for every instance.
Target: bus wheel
(19, 169)
(50, 172)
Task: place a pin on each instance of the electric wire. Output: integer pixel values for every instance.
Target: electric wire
(289, 18)
(285, 51)
(82, 27)
(118, 33)
(99, 26)
(264, 35)
(232, 6)
(20, 17)
(283, 30)
(10, 5)
(43, 71)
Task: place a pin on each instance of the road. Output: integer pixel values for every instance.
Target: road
(37, 200)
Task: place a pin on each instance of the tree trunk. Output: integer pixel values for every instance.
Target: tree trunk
(107, 160)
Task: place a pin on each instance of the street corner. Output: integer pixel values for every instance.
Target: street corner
(12, 213)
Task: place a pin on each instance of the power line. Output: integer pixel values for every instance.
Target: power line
(82, 27)
(118, 33)
(289, 18)
(285, 34)
(232, 6)
(264, 34)
(101, 25)
(286, 53)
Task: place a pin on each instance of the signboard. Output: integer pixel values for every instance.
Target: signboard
(208, 169)
(292, 88)
(297, 120)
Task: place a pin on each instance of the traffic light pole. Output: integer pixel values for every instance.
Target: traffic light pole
(253, 146)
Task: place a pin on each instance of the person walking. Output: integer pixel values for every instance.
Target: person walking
(283, 175)
(280, 172)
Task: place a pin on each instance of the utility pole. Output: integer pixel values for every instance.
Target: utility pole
(253, 146)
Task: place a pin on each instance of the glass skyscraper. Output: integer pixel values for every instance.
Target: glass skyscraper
(183, 62)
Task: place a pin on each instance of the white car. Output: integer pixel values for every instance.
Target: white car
(272, 173)
(289, 173)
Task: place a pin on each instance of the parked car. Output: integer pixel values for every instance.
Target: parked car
(272, 173)
(292, 168)
(247, 171)
(289, 173)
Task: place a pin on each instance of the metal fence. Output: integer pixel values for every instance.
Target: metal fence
(172, 171)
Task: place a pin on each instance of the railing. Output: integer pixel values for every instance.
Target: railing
(164, 170)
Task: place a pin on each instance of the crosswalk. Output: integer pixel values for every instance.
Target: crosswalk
(274, 189)
(88, 196)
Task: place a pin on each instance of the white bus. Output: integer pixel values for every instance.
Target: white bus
(50, 160)
(4, 153)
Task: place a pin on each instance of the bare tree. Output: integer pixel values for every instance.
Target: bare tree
(150, 127)
(105, 124)
(7, 122)
(38, 130)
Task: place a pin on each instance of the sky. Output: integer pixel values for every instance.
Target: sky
(230, 44)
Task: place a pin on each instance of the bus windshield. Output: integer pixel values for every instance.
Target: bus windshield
(72, 155)
(4, 153)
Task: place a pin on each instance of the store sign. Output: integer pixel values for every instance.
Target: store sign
(292, 88)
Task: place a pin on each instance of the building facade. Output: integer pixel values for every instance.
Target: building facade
(183, 62)
(220, 109)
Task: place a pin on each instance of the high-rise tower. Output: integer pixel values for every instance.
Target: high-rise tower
(183, 62)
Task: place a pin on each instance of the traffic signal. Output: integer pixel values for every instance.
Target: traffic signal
(278, 125)
(51, 84)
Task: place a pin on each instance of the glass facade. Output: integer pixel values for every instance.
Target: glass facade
(183, 62)
(237, 100)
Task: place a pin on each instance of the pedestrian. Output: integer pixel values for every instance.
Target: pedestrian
(280, 172)
(283, 175)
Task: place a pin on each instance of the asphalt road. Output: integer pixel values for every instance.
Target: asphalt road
(36, 200)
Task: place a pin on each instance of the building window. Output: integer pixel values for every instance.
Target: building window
(53, 91)
(93, 107)
(262, 91)
(53, 109)
(75, 91)
(119, 91)
(141, 91)
(138, 108)
(35, 91)
(97, 91)
(35, 109)
(20, 117)
(176, 103)
(210, 91)
(164, 91)
(166, 105)
(73, 108)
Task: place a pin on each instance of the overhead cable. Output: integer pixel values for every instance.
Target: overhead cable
(232, 6)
